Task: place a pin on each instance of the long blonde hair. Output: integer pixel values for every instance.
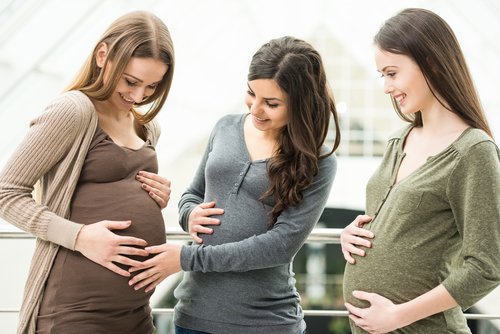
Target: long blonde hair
(136, 34)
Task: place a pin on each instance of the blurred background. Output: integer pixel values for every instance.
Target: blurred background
(44, 43)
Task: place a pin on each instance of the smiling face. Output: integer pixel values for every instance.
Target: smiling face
(404, 81)
(138, 81)
(268, 105)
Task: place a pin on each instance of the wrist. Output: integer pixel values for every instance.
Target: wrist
(78, 239)
(405, 314)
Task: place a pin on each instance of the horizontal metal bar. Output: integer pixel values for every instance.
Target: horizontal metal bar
(322, 235)
(310, 313)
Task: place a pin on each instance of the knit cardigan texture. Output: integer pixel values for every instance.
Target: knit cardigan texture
(51, 155)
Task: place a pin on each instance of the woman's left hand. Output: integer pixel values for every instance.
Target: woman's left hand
(381, 317)
(157, 187)
(166, 262)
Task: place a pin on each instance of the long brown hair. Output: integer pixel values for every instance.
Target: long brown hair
(298, 70)
(426, 38)
(136, 34)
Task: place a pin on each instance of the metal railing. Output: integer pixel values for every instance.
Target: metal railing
(321, 235)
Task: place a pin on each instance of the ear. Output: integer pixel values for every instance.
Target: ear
(101, 54)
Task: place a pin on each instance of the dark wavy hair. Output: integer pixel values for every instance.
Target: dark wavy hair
(298, 70)
(137, 34)
(427, 39)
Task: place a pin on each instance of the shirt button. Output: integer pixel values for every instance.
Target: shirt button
(236, 184)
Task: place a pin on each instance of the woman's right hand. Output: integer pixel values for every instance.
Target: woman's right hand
(97, 243)
(355, 235)
(200, 217)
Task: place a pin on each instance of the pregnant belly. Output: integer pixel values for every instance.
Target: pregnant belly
(397, 274)
(80, 282)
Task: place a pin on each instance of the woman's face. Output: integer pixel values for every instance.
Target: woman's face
(138, 81)
(268, 105)
(404, 81)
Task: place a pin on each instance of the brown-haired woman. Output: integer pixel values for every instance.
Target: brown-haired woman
(433, 206)
(262, 185)
(100, 201)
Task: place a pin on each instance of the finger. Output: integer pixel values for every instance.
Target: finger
(142, 276)
(354, 250)
(354, 310)
(348, 257)
(154, 177)
(359, 231)
(361, 242)
(126, 250)
(114, 268)
(207, 205)
(130, 241)
(207, 221)
(363, 295)
(134, 269)
(196, 238)
(163, 193)
(202, 229)
(126, 261)
(158, 199)
(155, 249)
(117, 224)
(145, 282)
(213, 212)
(153, 284)
(150, 184)
(362, 220)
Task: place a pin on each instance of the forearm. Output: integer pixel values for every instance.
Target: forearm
(434, 301)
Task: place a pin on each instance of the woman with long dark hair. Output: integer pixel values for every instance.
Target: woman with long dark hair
(261, 186)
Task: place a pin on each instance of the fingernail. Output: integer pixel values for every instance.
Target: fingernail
(143, 185)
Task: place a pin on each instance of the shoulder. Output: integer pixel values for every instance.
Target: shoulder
(71, 110)
(72, 105)
(227, 126)
(229, 120)
(328, 164)
(153, 131)
(400, 134)
(474, 140)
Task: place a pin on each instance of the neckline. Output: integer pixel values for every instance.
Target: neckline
(402, 153)
(144, 145)
(244, 143)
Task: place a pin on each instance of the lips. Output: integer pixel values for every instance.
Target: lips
(399, 98)
(127, 100)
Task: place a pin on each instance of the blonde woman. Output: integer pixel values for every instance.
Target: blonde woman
(93, 155)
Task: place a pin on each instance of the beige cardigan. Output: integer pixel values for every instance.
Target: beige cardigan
(53, 152)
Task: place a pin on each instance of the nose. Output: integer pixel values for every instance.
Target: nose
(387, 86)
(252, 104)
(138, 94)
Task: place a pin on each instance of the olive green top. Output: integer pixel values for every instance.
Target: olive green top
(441, 224)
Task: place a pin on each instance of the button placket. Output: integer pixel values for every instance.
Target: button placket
(242, 174)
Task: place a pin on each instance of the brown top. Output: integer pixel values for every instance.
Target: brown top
(81, 295)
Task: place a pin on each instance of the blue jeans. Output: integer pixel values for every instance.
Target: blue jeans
(180, 330)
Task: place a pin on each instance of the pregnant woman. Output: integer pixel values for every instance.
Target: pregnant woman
(99, 197)
(433, 205)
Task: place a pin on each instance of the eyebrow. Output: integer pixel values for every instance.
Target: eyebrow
(385, 68)
(267, 98)
(136, 78)
(141, 81)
